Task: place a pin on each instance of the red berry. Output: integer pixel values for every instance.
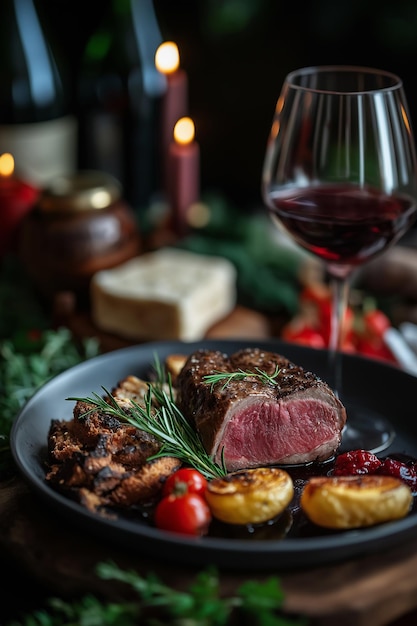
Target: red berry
(356, 462)
(398, 469)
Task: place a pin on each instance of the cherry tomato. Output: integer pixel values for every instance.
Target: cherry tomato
(316, 293)
(303, 334)
(187, 514)
(349, 346)
(375, 323)
(362, 333)
(186, 479)
(315, 307)
(316, 311)
(326, 320)
(376, 350)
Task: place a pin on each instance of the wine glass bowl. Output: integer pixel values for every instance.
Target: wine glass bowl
(340, 175)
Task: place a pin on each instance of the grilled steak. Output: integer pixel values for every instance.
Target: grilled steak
(296, 418)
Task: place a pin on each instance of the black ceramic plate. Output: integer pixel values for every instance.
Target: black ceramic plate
(379, 391)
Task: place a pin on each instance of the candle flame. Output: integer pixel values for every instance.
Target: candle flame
(184, 131)
(6, 164)
(167, 57)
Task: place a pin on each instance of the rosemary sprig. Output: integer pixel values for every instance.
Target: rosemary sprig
(228, 377)
(165, 422)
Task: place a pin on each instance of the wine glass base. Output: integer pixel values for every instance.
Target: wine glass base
(365, 430)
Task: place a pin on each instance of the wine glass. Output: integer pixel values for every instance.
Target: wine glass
(340, 178)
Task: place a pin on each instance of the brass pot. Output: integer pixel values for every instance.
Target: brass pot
(80, 225)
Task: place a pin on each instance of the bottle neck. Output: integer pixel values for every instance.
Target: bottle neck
(126, 40)
(36, 51)
(149, 38)
(33, 86)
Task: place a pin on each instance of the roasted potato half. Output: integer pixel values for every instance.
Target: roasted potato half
(174, 364)
(355, 501)
(251, 496)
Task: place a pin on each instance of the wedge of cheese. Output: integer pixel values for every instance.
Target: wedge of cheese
(163, 295)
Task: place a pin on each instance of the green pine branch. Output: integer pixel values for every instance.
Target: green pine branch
(202, 604)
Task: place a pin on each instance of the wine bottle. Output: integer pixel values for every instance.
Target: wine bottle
(120, 94)
(36, 123)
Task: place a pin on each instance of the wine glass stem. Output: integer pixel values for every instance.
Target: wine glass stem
(340, 296)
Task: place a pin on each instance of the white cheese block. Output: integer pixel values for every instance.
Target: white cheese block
(161, 295)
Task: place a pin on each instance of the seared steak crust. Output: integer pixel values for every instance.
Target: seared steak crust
(295, 419)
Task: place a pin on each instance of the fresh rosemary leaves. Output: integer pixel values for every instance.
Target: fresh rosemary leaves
(228, 377)
(159, 416)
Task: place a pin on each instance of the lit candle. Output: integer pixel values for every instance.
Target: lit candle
(16, 199)
(175, 100)
(184, 173)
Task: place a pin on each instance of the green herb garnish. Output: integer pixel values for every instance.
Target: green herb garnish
(155, 604)
(27, 362)
(161, 418)
(227, 377)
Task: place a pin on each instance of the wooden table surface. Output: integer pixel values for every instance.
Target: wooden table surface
(375, 590)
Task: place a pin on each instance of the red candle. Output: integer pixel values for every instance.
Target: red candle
(175, 100)
(17, 198)
(184, 173)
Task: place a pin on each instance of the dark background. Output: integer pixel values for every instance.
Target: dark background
(237, 53)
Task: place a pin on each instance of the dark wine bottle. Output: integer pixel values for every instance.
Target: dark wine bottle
(36, 123)
(120, 93)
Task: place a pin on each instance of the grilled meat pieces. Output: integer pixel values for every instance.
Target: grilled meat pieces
(101, 461)
(296, 418)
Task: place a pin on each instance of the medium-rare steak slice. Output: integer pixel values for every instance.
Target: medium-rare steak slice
(293, 418)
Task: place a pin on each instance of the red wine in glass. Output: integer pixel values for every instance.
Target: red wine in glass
(340, 178)
(342, 224)
(345, 226)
